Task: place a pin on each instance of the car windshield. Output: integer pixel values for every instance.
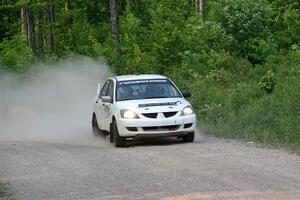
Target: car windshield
(145, 89)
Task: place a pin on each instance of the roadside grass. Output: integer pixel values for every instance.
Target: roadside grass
(271, 120)
(266, 120)
(239, 107)
(4, 194)
(290, 147)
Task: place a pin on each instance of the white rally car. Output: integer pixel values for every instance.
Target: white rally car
(133, 106)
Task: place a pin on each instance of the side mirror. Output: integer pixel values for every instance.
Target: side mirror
(186, 94)
(98, 88)
(106, 99)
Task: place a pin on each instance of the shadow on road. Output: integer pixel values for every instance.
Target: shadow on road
(161, 141)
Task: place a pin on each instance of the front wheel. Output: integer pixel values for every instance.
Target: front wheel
(189, 138)
(118, 140)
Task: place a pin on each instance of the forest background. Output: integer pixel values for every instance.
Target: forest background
(239, 58)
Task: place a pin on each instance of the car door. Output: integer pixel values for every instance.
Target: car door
(99, 106)
(107, 106)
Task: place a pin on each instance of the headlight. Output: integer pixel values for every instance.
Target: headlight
(187, 111)
(128, 114)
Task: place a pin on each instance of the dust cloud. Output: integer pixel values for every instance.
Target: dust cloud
(52, 103)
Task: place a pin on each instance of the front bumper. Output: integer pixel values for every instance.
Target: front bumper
(162, 127)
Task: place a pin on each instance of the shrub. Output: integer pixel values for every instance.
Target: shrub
(267, 82)
(14, 55)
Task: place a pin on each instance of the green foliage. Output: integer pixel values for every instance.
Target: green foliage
(8, 25)
(243, 110)
(285, 23)
(211, 112)
(246, 19)
(218, 76)
(248, 22)
(14, 55)
(133, 57)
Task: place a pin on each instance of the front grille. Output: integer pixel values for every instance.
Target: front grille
(161, 128)
(150, 115)
(169, 114)
(150, 128)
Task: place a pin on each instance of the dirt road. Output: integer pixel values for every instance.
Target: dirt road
(166, 169)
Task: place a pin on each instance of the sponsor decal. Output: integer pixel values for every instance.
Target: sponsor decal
(142, 81)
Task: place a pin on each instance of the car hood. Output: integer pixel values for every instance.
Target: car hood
(153, 105)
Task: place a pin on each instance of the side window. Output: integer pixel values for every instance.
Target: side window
(110, 90)
(104, 89)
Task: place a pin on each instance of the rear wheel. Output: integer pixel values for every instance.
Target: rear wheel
(118, 140)
(189, 137)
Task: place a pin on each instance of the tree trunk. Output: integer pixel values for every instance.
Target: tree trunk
(67, 9)
(108, 8)
(24, 22)
(115, 26)
(95, 6)
(40, 34)
(193, 3)
(69, 22)
(201, 8)
(30, 29)
(50, 19)
(128, 7)
(196, 6)
(67, 5)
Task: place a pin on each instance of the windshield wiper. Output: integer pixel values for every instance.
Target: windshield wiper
(126, 99)
(156, 97)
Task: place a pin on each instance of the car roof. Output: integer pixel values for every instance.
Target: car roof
(138, 77)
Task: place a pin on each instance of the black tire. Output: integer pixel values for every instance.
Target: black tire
(118, 140)
(189, 138)
(111, 136)
(96, 130)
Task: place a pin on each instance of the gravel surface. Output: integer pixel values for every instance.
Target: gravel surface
(163, 169)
